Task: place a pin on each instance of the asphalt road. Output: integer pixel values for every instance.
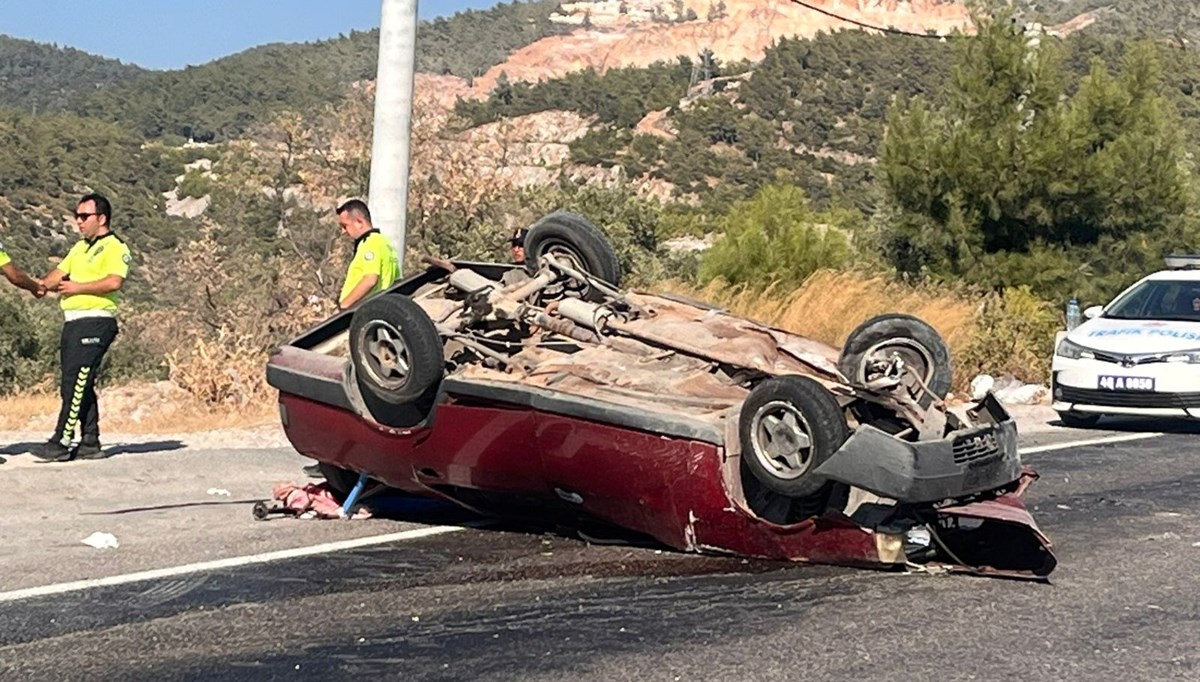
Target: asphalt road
(497, 603)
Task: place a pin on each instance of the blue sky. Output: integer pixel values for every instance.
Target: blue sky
(171, 34)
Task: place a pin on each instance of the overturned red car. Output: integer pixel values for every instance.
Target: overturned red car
(550, 392)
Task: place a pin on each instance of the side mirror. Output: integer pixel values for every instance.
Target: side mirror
(1093, 311)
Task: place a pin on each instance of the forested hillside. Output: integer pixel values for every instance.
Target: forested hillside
(39, 78)
(1127, 18)
(220, 100)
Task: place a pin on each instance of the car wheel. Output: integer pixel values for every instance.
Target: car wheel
(1076, 420)
(788, 426)
(575, 239)
(396, 350)
(780, 509)
(876, 341)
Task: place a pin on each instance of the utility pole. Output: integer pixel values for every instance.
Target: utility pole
(388, 191)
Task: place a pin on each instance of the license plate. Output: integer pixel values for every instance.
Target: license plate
(1126, 383)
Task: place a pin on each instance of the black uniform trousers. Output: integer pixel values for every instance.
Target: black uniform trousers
(84, 343)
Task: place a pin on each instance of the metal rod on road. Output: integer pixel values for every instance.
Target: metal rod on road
(388, 192)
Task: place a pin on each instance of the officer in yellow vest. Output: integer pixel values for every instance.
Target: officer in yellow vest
(88, 281)
(375, 265)
(18, 277)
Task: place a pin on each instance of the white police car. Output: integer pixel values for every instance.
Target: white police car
(1139, 355)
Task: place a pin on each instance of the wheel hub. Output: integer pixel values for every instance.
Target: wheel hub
(781, 440)
(912, 358)
(386, 354)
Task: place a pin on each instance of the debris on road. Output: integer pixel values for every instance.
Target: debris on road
(1008, 390)
(981, 385)
(101, 540)
(219, 492)
(310, 501)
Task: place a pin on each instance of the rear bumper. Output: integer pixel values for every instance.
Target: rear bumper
(968, 462)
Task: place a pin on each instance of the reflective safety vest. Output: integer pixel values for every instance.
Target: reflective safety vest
(92, 261)
(373, 255)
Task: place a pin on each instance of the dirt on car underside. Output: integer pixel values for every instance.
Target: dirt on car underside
(678, 358)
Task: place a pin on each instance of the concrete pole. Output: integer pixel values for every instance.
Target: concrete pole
(388, 192)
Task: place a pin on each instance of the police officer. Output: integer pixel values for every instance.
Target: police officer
(18, 277)
(375, 265)
(88, 281)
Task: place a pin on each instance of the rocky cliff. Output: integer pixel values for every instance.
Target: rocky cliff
(616, 33)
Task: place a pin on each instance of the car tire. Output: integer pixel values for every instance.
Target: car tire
(777, 419)
(573, 236)
(396, 350)
(918, 344)
(1076, 420)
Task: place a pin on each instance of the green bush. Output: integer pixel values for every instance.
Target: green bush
(776, 237)
(28, 342)
(196, 184)
(1015, 335)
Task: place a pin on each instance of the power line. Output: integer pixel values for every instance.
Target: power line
(860, 24)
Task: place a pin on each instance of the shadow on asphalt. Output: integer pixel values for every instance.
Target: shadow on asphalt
(142, 448)
(1139, 425)
(18, 448)
(159, 507)
(109, 451)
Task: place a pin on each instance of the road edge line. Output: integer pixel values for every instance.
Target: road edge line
(232, 562)
(1124, 438)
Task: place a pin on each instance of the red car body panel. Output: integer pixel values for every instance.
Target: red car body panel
(674, 490)
(665, 471)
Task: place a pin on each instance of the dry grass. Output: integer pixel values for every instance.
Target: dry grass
(829, 305)
(138, 408)
(226, 372)
(20, 412)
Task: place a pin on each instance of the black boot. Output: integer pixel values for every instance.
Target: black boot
(51, 451)
(89, 449)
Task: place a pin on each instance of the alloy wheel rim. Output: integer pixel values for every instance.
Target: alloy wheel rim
(781, 439)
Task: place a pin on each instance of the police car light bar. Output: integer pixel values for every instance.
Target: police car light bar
(1183, 261)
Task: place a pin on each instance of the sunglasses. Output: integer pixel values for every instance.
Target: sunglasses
(84, 216)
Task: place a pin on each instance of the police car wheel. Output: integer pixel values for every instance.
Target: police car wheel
(396, 349)
(1077, 420)
(788, 427)
(573, 238)
(885, 337)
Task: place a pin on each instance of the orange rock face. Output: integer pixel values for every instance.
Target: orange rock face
(652, 30)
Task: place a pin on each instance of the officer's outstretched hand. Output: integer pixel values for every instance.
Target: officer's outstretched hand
(41, 289)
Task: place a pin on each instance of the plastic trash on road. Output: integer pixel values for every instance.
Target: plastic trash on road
(101, 540)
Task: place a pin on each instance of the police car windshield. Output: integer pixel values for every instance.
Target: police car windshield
(1159, 299)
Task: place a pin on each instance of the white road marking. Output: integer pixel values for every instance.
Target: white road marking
(232, 562)
(1124, 438)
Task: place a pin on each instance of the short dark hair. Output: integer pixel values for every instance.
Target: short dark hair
(518, 238)
(102, 206)
(356, 207)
